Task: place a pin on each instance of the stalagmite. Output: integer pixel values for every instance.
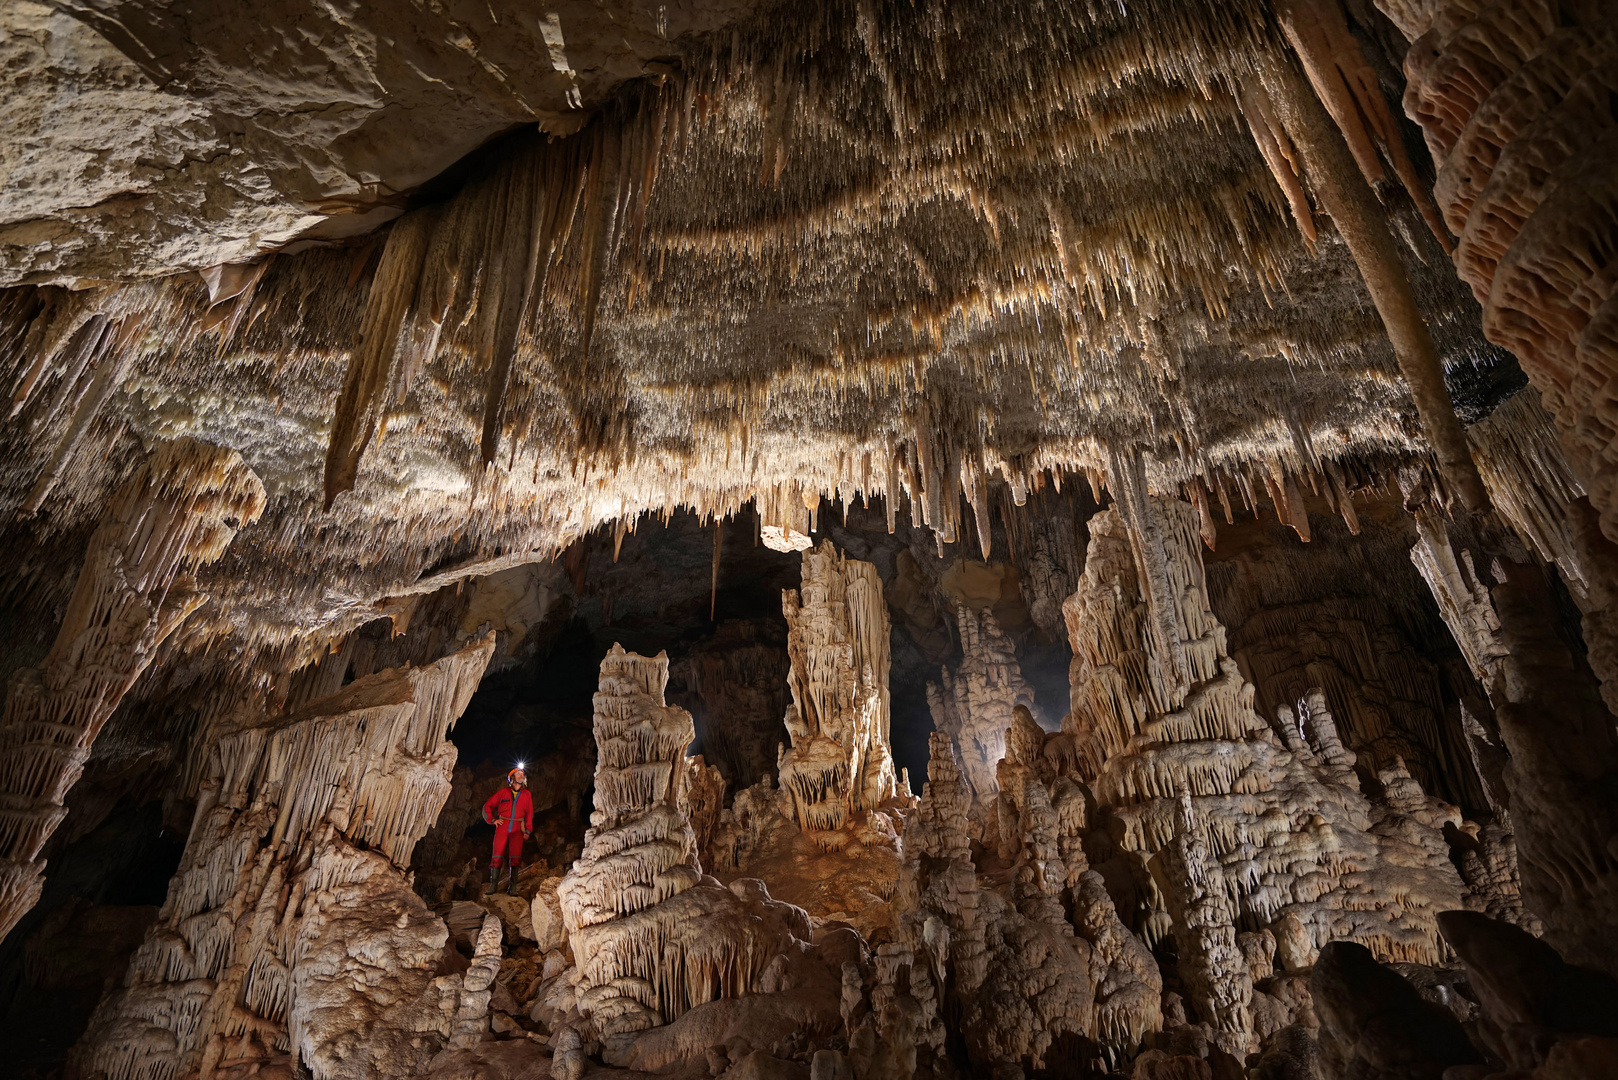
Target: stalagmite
(179, 512)
(1205, 930)
(974, 703)
(291, 921)
(1288, 829)
(839, 764)
(652, 938)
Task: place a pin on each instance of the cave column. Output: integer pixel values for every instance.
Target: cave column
(1362, 223)
(179, 511)
(976, 701)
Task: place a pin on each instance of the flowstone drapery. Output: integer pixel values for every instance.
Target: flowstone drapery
(291, 926)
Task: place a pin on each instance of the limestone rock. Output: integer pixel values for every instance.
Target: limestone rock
(197, 133)
(1289, 829)
(974, 703)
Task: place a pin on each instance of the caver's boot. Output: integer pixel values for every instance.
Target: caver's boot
(511, 881)
(494, 880)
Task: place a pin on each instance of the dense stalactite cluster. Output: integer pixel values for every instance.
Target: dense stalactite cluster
(180, 511)
(539, 353)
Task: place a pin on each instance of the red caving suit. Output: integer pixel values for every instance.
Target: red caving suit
(511, 823)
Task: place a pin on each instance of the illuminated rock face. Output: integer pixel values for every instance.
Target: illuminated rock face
(974, 704)
(1515, 103)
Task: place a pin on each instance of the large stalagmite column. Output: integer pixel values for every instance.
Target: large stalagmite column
(1283, 820)
(650, 938)
(179, 511)
(975, 702)
(839, 764)
(291, 924)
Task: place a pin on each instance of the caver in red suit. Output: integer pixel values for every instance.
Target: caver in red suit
(511, 811)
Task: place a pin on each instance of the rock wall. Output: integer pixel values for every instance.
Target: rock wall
(291, 927)
(1516, 103)
(1548, 784)
(192, 130)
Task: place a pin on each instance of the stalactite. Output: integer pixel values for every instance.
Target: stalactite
(1347, 86)
(374, 380)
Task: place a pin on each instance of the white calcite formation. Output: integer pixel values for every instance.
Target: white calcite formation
(974, 703)
(839, 765)
(1287, 829)
(650, 935)
(291, 925)
(179, 511)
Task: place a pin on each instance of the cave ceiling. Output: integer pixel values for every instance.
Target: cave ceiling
(651, 256)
